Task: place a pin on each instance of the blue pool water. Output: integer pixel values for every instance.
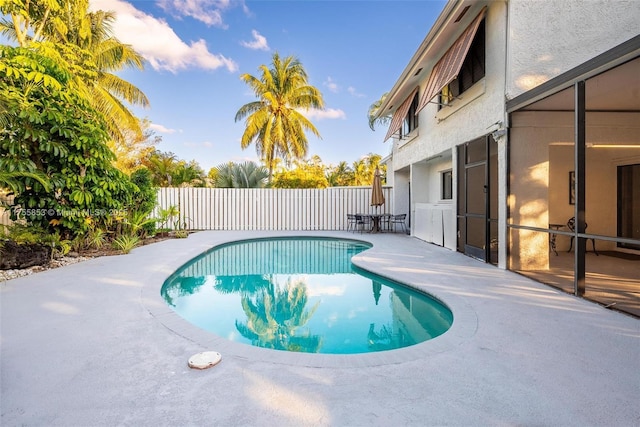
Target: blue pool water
(301, 294)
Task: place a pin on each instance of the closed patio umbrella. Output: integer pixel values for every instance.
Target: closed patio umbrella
(377, 198)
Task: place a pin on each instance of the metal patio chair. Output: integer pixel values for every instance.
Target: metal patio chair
(363, 221)
(352, 222)
(398, 219)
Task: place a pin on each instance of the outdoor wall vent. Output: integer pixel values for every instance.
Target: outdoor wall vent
(464, 11)
(418, 72)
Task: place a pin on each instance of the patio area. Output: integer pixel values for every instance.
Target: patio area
(95, 344)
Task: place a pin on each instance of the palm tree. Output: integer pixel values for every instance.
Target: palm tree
(275, 121)
(92, 31)
(373, 109)
(162, 166)
(341, 175)
(84, 42)
(365, 167)
(274, 316)
(239, 175)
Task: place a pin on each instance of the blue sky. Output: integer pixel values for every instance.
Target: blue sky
(196, 50)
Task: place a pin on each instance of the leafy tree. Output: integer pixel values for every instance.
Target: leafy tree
(145, 198)
(12, 181)
(239, 175)
(275, 122)
(31, 19)
(306, 174)
(53, 130)
(132, 150)
(84, 41)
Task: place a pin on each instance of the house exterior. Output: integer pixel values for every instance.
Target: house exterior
(514, 116)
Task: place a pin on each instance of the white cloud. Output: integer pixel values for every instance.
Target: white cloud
(352, 90)
(207, 11)
(259, 42)
(156, 41)
(329, 113)
(333, 86)
(160, 128)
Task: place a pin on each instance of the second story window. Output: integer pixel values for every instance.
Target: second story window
(472, 71)
(410, 122)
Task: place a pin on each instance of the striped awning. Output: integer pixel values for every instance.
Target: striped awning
(448, 67)
(400, 114)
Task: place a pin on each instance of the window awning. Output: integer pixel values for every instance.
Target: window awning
(400, 114)
(448, 67)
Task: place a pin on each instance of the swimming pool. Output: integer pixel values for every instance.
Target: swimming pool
(301, 294)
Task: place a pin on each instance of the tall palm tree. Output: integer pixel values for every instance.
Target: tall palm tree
(275, 121)
(93, 32)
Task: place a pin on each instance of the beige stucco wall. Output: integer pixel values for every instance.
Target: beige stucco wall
(547, 38)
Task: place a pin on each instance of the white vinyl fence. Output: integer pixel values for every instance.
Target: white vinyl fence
(268, 209)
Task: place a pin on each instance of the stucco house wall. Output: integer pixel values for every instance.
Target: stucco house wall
(470, 117)
(547, 38)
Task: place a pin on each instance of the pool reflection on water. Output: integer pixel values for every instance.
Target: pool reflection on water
(303, 295)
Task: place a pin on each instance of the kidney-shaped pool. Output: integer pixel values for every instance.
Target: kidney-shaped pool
(301, 294)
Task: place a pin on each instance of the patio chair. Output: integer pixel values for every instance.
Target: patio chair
(572, 226)
(363, 221)
(398, 219)
(385, 222)
(352, 222)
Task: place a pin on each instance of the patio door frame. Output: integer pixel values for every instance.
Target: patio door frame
(469, 187)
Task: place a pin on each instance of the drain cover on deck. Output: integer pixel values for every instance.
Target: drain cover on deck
(205, 360)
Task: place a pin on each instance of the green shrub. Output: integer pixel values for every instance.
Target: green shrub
(125, 243)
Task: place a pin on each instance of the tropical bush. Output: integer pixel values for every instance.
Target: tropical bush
(52, 130)
(125, 243)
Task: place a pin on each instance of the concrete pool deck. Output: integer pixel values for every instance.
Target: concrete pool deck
(93, 344)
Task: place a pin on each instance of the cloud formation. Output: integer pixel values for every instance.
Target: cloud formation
(160, 128)
(352, 90)
(206, 11)
(328, 113)
(156, 41)
(259, 42)
(331, 85)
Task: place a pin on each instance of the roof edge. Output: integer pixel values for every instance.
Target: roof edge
(424, 46)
